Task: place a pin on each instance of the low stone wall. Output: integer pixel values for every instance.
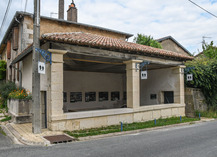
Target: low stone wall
(94, 119)
(195, 101)
(20, 110)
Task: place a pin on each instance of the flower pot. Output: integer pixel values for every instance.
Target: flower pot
(20, 110)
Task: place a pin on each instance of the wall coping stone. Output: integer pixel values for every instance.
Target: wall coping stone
(111, 112)
(56, 51)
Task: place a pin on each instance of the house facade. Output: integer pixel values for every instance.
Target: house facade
(170, 44)
(95, 77)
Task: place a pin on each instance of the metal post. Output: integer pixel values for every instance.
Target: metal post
(155, 122)
(180, 118)
(199, 115)
(36, 119)
(121, 126)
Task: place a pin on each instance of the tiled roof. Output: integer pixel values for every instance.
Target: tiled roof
(97, 41)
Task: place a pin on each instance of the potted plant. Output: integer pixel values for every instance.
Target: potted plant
(20, 105)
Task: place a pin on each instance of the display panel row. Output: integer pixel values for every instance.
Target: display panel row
(91, 96)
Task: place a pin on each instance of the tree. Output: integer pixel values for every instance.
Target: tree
(205, 74)
(147, 40)
(209, 50)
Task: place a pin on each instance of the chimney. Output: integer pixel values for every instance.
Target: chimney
(61, 9)
(72, 12)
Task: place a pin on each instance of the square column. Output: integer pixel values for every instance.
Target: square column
(133, 84)
(179, 95)
(182, 84)
(56, 83)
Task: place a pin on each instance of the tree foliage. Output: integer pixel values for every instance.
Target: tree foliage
(2, 69)
(147, 40)
(205, 74)
(209, 50)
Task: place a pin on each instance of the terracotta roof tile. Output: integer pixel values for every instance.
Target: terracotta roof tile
(87, 39)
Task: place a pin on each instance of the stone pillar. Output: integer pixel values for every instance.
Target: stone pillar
(56, 83)
(182, 84)
(133, 84)
(179, 94)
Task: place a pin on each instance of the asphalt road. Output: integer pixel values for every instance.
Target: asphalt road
(197, 140)
(4, 140)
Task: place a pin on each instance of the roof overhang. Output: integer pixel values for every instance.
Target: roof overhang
(19, 15)
(25, 53)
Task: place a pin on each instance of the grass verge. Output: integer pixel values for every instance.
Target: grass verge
(7, 118)
(207, 114)
(129, 127)
(2, 132)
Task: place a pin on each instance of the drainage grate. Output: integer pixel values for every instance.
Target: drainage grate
(59, 139)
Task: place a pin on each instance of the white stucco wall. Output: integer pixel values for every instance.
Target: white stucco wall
(27, 73)
(157, 82)
(93, 82)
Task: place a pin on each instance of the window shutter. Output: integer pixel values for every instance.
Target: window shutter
(9, 49)
(15, 38)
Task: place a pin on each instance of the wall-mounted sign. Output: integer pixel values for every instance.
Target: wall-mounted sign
(144, 75)
(41, 68)
(189, 77)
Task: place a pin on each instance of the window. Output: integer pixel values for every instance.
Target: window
(115, 96)
(103, 96)
(64, 97)
(90, 96)
(168, 97)
(153, 96)
(75, 97)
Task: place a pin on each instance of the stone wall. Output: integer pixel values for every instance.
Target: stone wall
(172, 46)
(195, 101)
(20, 110)
(100, 118)
(159, 81)
(51, 26)
(75, 81)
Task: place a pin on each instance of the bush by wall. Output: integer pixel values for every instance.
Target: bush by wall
(5, 90)
(205, 74)
(2, 69)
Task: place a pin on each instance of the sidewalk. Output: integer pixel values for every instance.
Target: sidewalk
(23, 133)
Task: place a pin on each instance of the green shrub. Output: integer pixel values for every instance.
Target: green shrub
(205, 74)
(2, 69)
(7, 118)
(5, 90)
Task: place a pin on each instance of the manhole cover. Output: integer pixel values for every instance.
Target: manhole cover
(59, 139)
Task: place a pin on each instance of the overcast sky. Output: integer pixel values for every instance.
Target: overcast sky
(159, 18)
